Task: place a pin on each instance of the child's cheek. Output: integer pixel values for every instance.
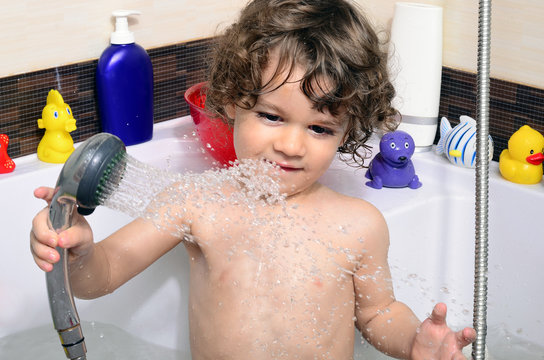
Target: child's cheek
(248, 139)
(242, 146)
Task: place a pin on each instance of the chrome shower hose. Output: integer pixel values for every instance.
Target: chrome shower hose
(482, 182)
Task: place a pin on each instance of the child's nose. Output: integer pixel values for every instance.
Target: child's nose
(291, 142)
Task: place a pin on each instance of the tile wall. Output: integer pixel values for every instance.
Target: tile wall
(511, 105)
(176, 67)
(22, 97)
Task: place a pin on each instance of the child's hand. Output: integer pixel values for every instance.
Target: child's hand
(435, 340)
(78, 238)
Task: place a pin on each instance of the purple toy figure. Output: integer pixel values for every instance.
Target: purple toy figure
(392, 166)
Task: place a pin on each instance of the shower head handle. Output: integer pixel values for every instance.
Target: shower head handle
(95, 167)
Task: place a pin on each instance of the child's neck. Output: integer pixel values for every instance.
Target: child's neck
(306, 194)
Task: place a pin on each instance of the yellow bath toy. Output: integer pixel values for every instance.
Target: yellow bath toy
(58, 121)
(522, 161)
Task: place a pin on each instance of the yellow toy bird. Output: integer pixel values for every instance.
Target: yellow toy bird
(58, 121)
(522, 161)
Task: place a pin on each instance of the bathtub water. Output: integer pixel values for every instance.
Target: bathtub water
(431, 257)
(106, 341)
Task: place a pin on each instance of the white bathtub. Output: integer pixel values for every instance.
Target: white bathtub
(432, 259)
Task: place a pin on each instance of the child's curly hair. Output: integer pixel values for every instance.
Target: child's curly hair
(346, 68)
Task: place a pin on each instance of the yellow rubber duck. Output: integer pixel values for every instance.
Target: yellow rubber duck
(522, 161)
(58, 121)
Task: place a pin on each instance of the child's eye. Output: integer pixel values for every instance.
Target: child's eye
(268, 117)
(321, 130)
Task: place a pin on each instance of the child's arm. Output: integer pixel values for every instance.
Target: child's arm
(118, 258)
(98, 269)
(390, 325)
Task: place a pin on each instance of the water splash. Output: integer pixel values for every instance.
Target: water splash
(163, 196)
(271, 244)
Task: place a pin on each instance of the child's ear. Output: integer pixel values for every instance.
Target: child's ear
(230, 110)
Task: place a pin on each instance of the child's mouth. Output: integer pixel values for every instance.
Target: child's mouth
(288, 168)
(285, 167)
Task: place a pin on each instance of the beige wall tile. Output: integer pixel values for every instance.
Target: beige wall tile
(37, 34)
(517, 36)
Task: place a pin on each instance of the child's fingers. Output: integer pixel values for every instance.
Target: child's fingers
(44, 255)
(44, 265)
(438, 316)
(67, 239)
(40, 229)
(466, 336)
(75, 235)
(43, 242)
(44, 193)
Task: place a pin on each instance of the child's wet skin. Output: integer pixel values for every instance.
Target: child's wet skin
(286, 129)
(280, 265)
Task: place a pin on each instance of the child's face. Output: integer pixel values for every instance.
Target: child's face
(285, 128)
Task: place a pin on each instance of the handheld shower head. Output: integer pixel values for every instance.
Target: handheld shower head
(88, 176)
(99, 161)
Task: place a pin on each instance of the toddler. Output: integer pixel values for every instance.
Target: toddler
(298, 81)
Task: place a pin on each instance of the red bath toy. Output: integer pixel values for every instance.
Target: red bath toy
(6, 164)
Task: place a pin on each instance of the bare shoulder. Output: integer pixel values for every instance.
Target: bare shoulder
(348, 206)
(360, 215)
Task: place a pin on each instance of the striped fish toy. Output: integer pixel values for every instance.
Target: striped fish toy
(459, 143)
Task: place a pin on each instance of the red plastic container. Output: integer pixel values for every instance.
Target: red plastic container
(215, 135)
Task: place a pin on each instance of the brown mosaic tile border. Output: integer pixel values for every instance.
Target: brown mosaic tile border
(176, 67)
(22, 97)
(511, 105)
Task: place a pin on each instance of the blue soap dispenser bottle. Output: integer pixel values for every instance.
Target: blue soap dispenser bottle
(124, 85)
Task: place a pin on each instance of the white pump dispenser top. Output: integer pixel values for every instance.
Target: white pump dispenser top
(121, 35)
